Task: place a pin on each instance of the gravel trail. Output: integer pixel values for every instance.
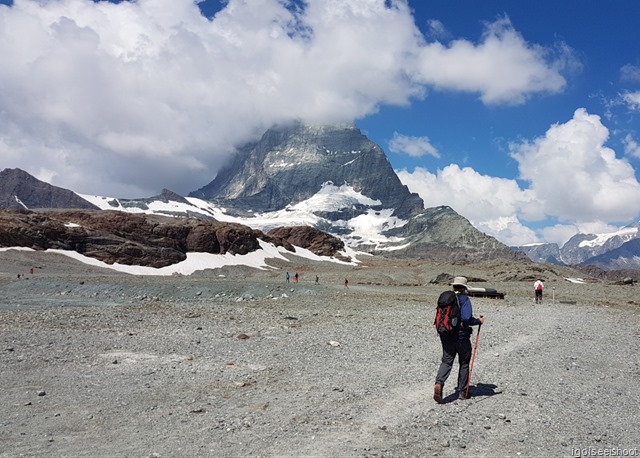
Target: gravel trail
(95, 365)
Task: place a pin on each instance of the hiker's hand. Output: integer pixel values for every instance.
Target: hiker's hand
(481, 319)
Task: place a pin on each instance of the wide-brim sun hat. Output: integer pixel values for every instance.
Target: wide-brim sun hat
(459, 281)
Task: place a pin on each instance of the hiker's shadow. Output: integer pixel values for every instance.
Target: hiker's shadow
(484, 389)
(479, 390)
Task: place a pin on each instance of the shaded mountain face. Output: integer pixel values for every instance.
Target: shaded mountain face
(290, 164)
(542, 252)
(19, 190)
(624, 257)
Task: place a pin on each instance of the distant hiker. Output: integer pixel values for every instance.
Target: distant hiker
(317, 279)
(31, 270)
(454, 319)
(286, 277)
(538, 286)
(346, 283)
(295, 277)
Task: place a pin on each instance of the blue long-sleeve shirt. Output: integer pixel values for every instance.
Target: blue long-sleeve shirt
(466, 314)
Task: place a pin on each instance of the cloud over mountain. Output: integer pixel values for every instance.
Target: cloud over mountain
(570, 175)
(124, 99)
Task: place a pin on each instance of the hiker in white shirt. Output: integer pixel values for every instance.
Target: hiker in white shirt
(538, 286)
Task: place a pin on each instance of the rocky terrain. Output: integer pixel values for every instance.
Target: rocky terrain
(235, 362)
(147, 240)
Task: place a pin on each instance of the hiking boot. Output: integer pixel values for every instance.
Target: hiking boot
(437, 393)
(463, 395)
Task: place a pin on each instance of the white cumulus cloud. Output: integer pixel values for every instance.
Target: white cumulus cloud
(571, 176)
(631, 147)
(506, 69)
(630, 73)
(412, 146)
(575, 176)
(632, 100)
(489, 203)
(125, 99)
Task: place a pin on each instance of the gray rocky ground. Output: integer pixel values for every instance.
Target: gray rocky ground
(237, 363)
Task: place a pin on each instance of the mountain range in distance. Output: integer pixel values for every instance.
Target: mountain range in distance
(332, 178)
(617, 250)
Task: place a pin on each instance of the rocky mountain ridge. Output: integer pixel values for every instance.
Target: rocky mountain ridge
(615, 250)
(332, 179)
(341, 182)
(147, 240)
(291, 163)
(20, 190)
(441, 233)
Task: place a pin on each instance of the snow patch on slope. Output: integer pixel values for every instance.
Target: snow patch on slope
(364, 229)
(626, 234)
(202, 261)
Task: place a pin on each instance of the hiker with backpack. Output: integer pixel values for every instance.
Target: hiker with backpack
(538, 286)
(454, 318)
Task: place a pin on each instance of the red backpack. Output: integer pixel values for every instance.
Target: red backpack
(447, 313)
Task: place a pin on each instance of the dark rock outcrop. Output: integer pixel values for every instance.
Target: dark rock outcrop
(617, 275)
(124, 238)
(19, 190)
(166, 196)
(177, 206)
(312, 239)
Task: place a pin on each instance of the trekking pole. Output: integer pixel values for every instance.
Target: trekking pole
(475, 349)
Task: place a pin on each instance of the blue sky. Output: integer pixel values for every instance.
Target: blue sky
(523, 117)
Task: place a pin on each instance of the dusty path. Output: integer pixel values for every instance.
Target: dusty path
(545, 387)
(194, 367)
